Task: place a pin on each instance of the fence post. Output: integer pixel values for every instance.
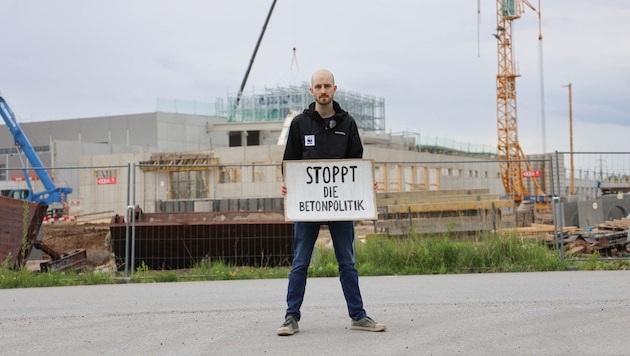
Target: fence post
(133, 225)
(129, 217)
(557, 210)
(494, 218)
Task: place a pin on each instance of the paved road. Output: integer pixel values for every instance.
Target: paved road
(553, 313)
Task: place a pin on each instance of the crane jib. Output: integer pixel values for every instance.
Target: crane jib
(52, 193)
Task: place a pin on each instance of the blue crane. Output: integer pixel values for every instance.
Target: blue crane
(51, 194)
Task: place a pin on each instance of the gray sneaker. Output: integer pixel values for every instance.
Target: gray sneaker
(289, 327)
(367, 324)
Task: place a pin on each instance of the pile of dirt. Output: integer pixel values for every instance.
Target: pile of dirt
(93, 238)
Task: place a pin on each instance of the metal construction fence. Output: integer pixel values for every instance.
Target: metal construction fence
(187, 213)
(98, 192)
(172, 216)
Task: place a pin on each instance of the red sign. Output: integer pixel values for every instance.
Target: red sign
(108, 180)
(21, 178)
(531, 174)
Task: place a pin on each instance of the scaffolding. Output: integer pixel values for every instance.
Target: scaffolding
(274, 104)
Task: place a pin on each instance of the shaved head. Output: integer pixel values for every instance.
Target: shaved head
(323, 74)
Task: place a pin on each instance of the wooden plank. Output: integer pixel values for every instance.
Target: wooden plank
(449, 198)
(433, 195)
(575, 250)
(449, 206)
(615, 224)
(425, 193)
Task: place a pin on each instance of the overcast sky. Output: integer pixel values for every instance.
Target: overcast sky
(432, 61)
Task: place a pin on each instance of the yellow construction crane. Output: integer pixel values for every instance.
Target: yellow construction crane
(510, 155)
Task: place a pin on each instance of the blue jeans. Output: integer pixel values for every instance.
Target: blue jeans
(342, 234)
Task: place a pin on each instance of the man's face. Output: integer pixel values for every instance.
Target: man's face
(323, 88)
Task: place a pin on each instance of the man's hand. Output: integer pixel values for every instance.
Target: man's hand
(375, 185)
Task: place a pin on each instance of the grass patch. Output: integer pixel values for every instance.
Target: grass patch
(379, 255)
(24, 279)
(441, 255)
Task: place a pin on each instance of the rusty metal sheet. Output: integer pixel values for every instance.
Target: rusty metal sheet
(21, 222)
(72, 260)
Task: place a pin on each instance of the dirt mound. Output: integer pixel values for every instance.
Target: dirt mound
(65, 237)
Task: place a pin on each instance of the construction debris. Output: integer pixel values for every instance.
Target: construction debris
(608, 239)
(60, 262)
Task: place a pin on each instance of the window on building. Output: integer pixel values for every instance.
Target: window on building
(235, 138)
(253, 138)
(3, 172)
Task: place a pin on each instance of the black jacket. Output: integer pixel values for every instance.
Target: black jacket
(311, 137)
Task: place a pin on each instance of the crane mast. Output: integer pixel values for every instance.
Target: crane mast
(510, 154)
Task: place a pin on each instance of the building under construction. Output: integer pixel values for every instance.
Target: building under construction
(274, 104)
(207, 160)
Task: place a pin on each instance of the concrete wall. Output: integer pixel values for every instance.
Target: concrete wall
(250, 154)
(96, 198)
(608, 207)
(139, 129)
(434, 172)
(184, 133)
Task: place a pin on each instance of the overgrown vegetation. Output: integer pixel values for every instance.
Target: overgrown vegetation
(379, 255)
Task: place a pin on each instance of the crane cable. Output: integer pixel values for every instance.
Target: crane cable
(478, 26)
(542, 80)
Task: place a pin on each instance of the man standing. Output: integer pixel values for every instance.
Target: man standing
(324, 131)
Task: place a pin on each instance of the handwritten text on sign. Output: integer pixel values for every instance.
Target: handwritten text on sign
(329, 190)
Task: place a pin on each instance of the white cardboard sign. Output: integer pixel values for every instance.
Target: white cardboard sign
(330, 190)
